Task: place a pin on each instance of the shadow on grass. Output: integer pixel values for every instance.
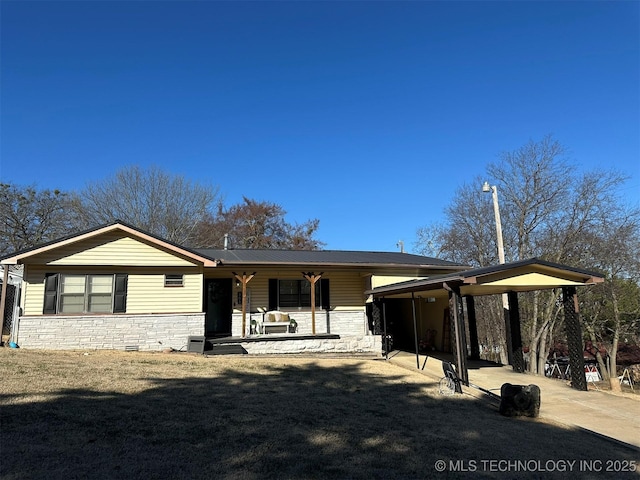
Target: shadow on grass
(304, 421)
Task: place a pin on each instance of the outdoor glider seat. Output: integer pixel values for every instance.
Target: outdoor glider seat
(277, 320)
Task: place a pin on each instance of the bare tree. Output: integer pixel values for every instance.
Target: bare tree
(30, 216)
(614, 247)
(547, 210)
(255, 224)
(534, 182)
(469, 238)
(166, 205)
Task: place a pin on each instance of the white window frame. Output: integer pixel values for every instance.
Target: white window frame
(87, 294)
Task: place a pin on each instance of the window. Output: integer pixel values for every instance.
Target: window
(296, 294)
(99, 293)
(86, 293)
(76, 293)
(174, 280)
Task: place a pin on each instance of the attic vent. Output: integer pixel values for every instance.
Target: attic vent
(131, 348)
(173, 280)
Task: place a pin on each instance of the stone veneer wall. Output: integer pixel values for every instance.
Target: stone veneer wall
(117, 332)
(371, 344)
(160, 331)
(339, 322)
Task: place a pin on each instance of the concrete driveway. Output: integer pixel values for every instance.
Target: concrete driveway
(616, 416)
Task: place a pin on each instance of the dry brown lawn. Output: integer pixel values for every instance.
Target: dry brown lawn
(111, 415)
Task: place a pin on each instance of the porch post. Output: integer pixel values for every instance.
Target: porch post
(385, 341)
(473, 327)
(575, 342)
(244, 279)
(516, 336)
(507, 327)
(460, 344)
(415, 328)
(313, 279)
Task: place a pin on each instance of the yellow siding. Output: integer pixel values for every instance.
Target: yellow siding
(113, 249)
(259, 288)
(533, 279)
(33, 295)
(146, 292)
(382, 280)
(346, 289)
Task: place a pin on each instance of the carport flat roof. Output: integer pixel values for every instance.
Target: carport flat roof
(522, 276)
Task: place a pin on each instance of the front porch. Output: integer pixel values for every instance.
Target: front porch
(285, 343)
(327, 322)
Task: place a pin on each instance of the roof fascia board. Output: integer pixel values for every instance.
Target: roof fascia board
(476, 281)
(435, 283)
(340, 264)
(207, 262)
(20, 257)
(569, 274)
(532, 263)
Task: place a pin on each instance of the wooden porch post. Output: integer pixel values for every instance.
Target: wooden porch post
(244, 279)
(313, 279)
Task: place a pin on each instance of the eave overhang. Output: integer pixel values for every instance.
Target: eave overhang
(523, 276)
(20, 257)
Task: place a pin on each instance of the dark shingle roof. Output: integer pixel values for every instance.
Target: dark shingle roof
(338, 258)
(323, 257)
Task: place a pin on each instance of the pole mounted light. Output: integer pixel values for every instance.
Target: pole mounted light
(496, 210)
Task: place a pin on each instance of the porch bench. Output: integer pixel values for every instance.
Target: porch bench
(275, 319)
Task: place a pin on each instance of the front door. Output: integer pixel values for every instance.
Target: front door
(218, 293)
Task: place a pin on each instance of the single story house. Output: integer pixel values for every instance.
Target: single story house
(118, 287)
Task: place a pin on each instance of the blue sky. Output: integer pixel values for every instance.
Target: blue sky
(365, 115)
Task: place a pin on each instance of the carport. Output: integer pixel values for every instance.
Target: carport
(508, 280)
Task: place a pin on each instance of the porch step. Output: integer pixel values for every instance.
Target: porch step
(222, 349)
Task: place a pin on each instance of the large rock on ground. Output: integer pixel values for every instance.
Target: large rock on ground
(519, 400)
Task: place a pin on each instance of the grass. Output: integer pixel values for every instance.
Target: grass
(109, 415)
